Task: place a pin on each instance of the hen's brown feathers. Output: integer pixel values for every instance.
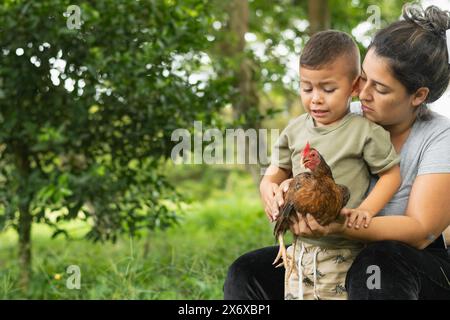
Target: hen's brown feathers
(312, 192)
(315, 193)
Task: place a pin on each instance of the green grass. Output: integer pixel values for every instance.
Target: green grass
(223, 220)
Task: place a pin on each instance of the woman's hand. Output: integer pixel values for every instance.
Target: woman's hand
(272, 196)
(309, 227)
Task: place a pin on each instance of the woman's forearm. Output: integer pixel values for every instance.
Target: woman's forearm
(426, 215)
(399, 228)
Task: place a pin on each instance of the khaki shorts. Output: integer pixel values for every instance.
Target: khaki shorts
(323, 272)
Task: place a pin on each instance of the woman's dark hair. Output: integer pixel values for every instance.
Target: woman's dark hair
(416, 49)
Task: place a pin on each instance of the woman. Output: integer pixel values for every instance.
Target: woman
(406, 67)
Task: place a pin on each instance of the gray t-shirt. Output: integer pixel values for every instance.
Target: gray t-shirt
(427, 150)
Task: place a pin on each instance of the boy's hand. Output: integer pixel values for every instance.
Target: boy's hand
(268, 191)
(358, 217)
(272, 196)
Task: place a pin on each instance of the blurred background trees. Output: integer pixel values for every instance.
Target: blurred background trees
(86, 115)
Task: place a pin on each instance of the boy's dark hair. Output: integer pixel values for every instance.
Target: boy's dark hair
(416, 49)
(325, 47)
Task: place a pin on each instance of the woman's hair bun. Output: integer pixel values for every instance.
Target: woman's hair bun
(431, 19)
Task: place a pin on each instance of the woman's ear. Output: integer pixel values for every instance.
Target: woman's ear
(420, 96)
(355, 87)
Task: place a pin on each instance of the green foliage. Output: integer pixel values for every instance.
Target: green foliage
(281, 23)
(347, 17)
(86, 115)
(185, 261)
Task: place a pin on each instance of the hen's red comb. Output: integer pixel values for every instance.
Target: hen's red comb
(306, 149)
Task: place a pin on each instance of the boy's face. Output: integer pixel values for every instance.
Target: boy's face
(326, 92)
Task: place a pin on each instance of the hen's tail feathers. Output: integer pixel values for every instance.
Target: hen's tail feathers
(283, 219)
(287, 209)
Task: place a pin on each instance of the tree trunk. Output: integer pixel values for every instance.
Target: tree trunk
(25, 246)
(319, 16)
(25, 218)
(146, 249)
(247, 100)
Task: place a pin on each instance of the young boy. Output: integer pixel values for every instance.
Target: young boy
(351, 145)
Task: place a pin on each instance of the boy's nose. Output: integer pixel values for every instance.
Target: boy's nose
(316, 99)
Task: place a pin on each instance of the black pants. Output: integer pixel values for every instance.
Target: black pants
(405, 273)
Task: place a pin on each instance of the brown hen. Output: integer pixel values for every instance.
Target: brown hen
(313, 192)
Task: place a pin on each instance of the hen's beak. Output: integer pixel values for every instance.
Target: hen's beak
(304, 162)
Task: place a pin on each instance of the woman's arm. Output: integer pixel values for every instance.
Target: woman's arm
(427, 215)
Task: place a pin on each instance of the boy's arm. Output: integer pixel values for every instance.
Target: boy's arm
(385, 188)
(276, 175)
(379, 153)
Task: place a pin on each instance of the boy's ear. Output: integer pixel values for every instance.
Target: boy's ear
(355, 87)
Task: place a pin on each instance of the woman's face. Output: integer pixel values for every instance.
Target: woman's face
(384, 99)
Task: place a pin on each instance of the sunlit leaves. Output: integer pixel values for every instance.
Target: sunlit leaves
(93, 121)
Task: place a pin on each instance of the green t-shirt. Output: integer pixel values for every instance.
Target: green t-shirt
(353, 148)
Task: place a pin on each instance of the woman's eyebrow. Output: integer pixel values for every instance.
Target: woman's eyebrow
(377, 82)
